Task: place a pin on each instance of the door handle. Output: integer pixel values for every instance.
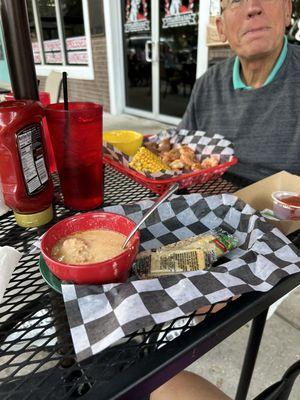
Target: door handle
(147, 50)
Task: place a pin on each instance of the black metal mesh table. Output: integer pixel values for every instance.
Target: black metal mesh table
(37, 359)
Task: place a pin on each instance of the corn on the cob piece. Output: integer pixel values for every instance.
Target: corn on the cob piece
(146, 161)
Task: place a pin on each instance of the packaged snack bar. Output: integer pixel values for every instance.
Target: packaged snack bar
(192, 254)
(152, 264)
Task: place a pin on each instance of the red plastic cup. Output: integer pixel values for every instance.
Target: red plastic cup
(76, 136)
(45, 100)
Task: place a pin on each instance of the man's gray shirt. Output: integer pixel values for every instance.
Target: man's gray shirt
(263, 124)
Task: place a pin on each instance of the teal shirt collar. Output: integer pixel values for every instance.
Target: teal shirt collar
(236, 77)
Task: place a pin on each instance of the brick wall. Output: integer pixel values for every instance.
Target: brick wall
(217, 53)
(216, 49)
(96, 90)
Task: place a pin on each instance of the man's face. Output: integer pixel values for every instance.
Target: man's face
(255, 29)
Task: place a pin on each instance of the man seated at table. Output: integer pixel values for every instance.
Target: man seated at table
(253, 98)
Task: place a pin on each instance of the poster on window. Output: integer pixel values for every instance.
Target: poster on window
(137, 19)
(179, 13)
(36, 52)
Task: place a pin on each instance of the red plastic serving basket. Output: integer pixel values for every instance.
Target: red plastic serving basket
(185, 180)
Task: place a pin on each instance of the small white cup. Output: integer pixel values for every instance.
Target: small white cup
(282, 210)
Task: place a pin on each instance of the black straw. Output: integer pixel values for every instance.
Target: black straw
(65, 90)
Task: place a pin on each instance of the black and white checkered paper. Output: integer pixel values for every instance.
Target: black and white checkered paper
(203, 145)
(101, 315)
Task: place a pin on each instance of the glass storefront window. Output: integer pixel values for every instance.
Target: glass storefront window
(161, 82)
(59, 26)
(52, 45)
(178, 54)
(72, 18)
(73, 29)
(48, 19)
(96, 17)
(136, 25)
(33, 35)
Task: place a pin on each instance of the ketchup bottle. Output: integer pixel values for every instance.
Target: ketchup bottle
(45, 100)
(26, 184)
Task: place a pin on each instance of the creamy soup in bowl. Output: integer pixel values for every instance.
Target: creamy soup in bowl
(87, 248)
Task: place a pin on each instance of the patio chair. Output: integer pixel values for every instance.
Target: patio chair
(53, 85)
(281, 390)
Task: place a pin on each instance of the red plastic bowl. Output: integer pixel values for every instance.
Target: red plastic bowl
(113, 270)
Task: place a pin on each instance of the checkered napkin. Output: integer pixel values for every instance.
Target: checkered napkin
(203, 145)
(101, 315)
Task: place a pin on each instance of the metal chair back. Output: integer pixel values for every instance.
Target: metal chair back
(281, 390)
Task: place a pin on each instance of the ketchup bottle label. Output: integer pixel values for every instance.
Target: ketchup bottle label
(31, 154)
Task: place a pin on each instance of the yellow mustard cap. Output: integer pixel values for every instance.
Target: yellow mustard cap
(36, 219)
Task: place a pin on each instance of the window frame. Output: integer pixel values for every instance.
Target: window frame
(85, 72)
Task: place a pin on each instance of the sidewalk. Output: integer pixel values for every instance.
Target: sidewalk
(128, 122)
(280, 345)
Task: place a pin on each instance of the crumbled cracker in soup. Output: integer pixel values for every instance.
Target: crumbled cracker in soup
(88, 247)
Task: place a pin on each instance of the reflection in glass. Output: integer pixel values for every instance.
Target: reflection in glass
(96, 16)
(73, 27)
(178, 54)
(136, 31)
(72, 18)
(33, 36)
(52, 45)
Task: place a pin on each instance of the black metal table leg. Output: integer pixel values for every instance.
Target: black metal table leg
(254, 340)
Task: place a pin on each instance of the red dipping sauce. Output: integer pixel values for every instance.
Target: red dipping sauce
(292, 201)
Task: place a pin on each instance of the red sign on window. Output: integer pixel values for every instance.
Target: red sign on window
(136, 16)
(179, 13)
